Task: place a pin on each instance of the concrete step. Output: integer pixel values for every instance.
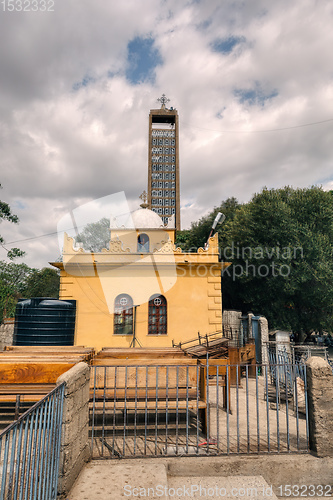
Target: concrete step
(140, 479)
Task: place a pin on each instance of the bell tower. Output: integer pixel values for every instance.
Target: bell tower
(163, 162)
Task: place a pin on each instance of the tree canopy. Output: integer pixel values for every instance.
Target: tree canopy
(43, 283)
(95, 235)
(21, 281)
(280, 245)
(7, 215)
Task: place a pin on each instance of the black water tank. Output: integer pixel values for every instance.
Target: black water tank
(44, 321)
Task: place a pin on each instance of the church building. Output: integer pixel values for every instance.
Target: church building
(142, 290)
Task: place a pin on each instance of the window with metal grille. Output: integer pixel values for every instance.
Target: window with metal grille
(123, 315)
(157, 319)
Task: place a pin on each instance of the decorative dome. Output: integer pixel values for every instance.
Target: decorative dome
(143, 218)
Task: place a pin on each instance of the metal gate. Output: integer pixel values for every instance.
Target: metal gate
(198, 409)
(30, 451)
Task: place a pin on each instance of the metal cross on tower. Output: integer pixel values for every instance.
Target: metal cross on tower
(144, 198)
(163, 100)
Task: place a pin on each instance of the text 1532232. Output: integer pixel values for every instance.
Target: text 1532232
(27, 5)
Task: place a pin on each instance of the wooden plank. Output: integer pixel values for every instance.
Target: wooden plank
(146, 375)
(62, 354)
(42, 359)
(86, 352)
(47, 348)
(247, 353)
(138, 350)
(140, 393)
(30, 355)
(25, 388)
(29, 373)
(139, 353)
(144, 361)
(151, 405)
(24, 398)
(212, 366)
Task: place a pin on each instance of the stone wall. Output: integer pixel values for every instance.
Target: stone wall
(263, 328)
(320, 397)
(232, 319)
(75, 447)
(6, 335)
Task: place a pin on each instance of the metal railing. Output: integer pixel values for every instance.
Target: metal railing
(30, 451)
(294, 355)
(201, 339)
(211, 409)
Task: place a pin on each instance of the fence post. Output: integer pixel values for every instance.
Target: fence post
(320, 399)
(263, 327)
(75, 449)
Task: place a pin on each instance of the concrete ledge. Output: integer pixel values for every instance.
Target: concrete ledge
(275, 469)
(75, 448)
(320, 396)
(107, 478)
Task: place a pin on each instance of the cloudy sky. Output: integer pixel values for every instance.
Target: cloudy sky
(252, 81)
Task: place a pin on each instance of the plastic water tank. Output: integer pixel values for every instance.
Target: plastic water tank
(44, 321)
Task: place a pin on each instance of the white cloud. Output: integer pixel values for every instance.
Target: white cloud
(60, 147)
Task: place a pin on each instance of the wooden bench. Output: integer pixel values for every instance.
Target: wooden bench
(85, 353)
(168, 385)
(140, 352)
(143, 361)
(53, 348)
(28, 373)
(242, 356)
(28, 382)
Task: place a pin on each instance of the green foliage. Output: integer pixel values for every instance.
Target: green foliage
(15, 276)
(8, 301)
(191, 239)
(13, 281)
(43, 283)
(281, 247)
(21, 281)
(7, 215)
(95, 235)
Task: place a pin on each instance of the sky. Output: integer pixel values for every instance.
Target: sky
(252, 81)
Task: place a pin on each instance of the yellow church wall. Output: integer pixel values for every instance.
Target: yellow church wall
(193, 304)
(190, 282)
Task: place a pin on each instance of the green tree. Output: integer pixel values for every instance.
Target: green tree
(95, 235)
(7, 215)
(13, 282)
(192, 239)
(43, 283)
(282, 258)
(280, 245)
(21, 281)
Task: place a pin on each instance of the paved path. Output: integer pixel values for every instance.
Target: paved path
(233, 476)
(104, 480)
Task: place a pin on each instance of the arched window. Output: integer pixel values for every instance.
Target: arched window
(143, 243)
(123, 315)
(157, 320)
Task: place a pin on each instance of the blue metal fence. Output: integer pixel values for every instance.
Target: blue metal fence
(30, 451)
(212, 409)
